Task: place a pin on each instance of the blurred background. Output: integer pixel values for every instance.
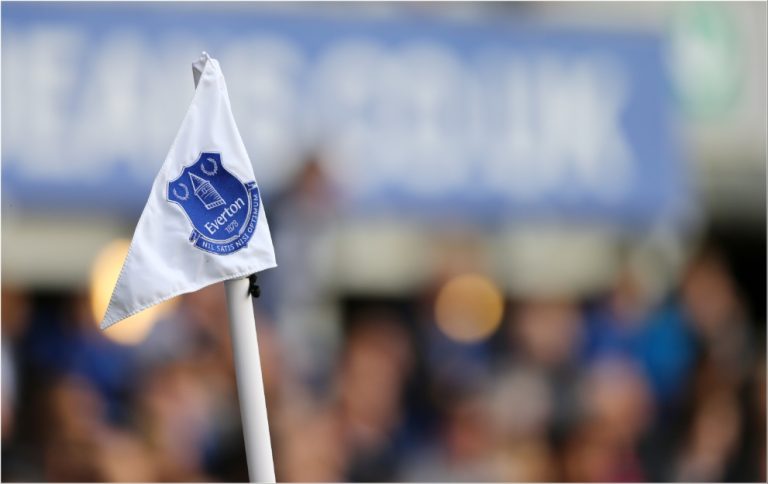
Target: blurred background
(516, 241)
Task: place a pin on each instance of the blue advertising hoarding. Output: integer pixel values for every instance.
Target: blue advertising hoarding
(411, 115)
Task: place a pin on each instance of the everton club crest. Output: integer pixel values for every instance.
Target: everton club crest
(222, 209)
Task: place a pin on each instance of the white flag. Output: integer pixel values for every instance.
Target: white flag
(204, 221)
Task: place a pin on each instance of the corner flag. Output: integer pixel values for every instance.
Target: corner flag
(204, 221)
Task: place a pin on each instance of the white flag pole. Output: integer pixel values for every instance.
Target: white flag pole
(250, 385)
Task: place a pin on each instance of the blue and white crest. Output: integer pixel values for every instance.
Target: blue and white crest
(222, 209)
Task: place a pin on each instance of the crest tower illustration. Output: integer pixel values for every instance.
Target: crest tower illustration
(205, 192)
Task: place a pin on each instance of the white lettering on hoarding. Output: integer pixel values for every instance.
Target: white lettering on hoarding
(415, 116)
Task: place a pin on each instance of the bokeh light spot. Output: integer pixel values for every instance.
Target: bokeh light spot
(104, 273)
(469, 308)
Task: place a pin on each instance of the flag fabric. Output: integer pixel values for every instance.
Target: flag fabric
(204, 221)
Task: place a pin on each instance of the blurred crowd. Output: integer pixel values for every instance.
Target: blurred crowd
(615, 386)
